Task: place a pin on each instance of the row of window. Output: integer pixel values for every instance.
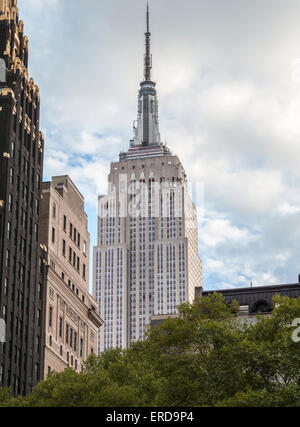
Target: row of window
(73, 257)
(70, 337)
(74, 234)
(33, 204)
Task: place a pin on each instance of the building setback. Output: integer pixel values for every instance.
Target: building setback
(146, 261)
(72, 319)
(21, 169)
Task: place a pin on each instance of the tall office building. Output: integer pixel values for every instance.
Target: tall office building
(72, 319)
(21, 170)
(146, 262)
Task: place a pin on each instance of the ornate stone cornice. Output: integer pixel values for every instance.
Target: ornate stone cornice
(9, 10)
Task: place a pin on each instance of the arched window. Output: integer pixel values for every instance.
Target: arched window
(261, 307)
(2, 71)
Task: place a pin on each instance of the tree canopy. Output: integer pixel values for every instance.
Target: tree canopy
(205, 357)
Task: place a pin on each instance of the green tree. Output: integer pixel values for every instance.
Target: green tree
(205, 357)
(7, 399)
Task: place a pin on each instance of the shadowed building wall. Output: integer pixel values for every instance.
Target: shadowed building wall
(22, 290)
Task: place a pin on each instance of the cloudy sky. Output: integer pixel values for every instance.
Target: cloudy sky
(228, 75)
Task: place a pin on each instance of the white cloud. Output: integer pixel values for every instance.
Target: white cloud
(216, 232)
(229, 107)
(287, 209)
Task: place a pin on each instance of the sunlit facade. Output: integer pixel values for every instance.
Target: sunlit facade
(146, 260)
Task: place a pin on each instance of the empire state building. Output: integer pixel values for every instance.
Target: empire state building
(146, 261)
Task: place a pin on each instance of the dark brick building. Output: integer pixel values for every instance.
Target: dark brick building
(258, 299)
(21, 167)
(253, 301)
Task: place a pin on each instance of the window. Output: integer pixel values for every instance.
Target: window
(84, 271)
(25, 191)
(38, 315)
(26, 168)
(71, 231)
(67, 334)
(81, 347)
(37, 205)
(37, 372)
(9, 230)
(40, 291)
(11, 176)
(36, 231)
(78, 240)
(70, 254)
(53, 235)
(64, 248)
(60, 327)
(4, 313)
(75, 341)
(50, 316)
(10, 203)
(38, 181)
(12, 151)
(7, 258)
(6, 286)
(71, 338)
(1, 374)
(78, 264)
(54, 210)
(65, 223)
(84, 248)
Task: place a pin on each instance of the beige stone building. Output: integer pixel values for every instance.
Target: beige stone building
(72, 319)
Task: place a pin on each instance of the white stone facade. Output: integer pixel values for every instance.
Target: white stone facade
(146, 262)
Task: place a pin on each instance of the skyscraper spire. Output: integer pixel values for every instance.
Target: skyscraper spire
(148, 26)
(148, 56)
(146, 127)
